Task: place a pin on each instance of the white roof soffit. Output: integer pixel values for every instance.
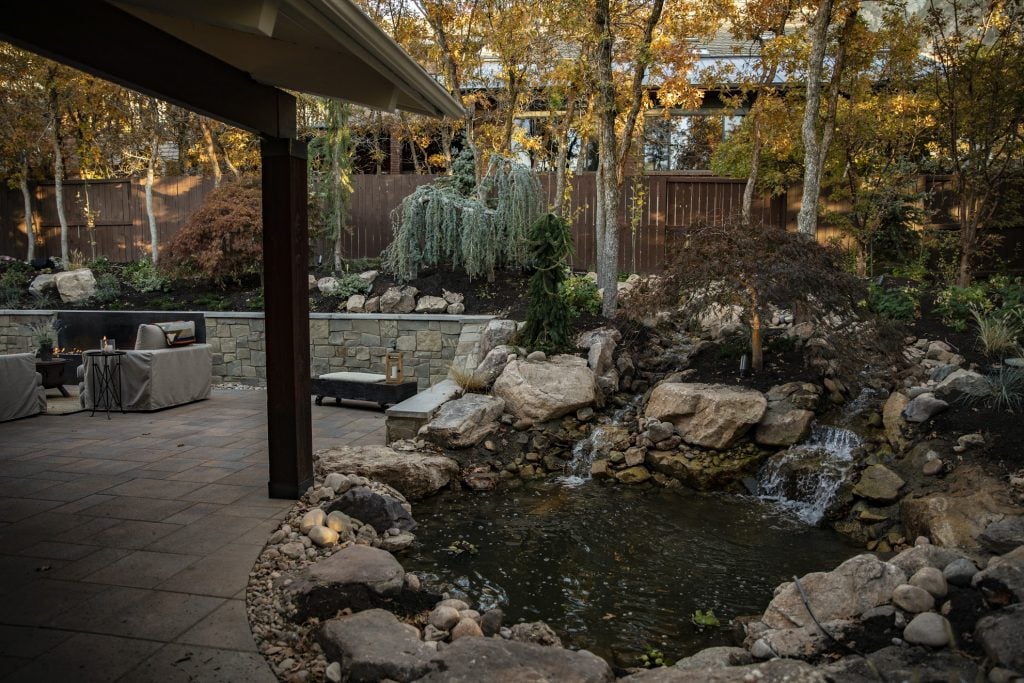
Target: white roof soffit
(322, 47)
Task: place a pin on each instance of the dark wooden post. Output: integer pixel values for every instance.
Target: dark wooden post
(286, 296)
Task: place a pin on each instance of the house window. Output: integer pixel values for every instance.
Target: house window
(685, 142)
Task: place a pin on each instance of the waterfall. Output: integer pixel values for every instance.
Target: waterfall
(596, 444)
(805, 478)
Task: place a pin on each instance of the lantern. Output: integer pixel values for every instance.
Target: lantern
(394, 372)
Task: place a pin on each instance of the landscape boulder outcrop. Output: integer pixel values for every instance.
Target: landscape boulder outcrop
(356, 577)
(398, 300)
(411, 473)
(465, 421)
(75, 286)
(708, 415)
(374, 645)
(790, 412)
(495, 659)
(546, 390)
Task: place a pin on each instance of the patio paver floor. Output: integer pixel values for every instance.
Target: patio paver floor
(126, 545)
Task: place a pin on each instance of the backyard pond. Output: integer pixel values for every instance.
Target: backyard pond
(617, 570)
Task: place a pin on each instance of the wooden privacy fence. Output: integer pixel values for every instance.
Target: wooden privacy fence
(653, 209)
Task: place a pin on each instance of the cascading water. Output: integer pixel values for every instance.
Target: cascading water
(597, 444)
(805, 478)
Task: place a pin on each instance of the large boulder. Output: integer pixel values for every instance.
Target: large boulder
(1003, 536)
(600, 346)
(374, 646)
(43, 283)
(546, 390)
(494, 363)
(953, 521)
(398, 300)
(783, 425)
(703, 474)
(923, 407)
(469, 660)
(846, 592)
(431, 304)
(465, 421)
(1002, 581)
(708, 415)
(411, 473)
(379, 510)
(356, 577)
(495, 334)
(75, 286)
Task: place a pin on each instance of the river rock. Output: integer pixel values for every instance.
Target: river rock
(849, 590)
(313, 518)
(708, 415)
(431, 304)
(412, 473)
(783, 425)
(75, 286)
(496, 333)
(1001, 634)
(493, 659)
(1004, 535)
(546, 391)
(775, 671)
(912, 599)
(952, 521)
(444, 617)
(959, 572)
(465, 421)
(536, 632)
(374, 645)
(715, 658)
(398, 300)
(43, 283)
(926, 555)
(323, 536)
(490, 622)
(659, 431)
(466, 628)
(879, 484)
(962, 382)
(633, 475)
(341, 523)
(397, 542)
(923, 408)
(930, 579)
(892, 420)
(379, 511)
(928, 628)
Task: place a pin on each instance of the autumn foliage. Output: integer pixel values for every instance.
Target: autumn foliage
(223, 238)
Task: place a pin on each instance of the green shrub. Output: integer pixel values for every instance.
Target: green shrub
(581, 296)
(100, 265)
(1002, 390)
(1006, 293)
(998, 332)
(108, 288)
(898, 303)
(956, 305)
(548, 316)
(347, 285)
(142, 276)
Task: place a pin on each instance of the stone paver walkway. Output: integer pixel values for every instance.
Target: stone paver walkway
(126, 545)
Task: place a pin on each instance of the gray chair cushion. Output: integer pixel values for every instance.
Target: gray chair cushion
(150, 338)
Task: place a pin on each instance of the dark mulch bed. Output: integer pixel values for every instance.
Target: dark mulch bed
(719, 363)
(930, 326)
(505, 297)
(1003, 451)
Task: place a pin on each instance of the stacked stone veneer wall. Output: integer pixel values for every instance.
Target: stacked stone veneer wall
(15, 336)
(430, 344)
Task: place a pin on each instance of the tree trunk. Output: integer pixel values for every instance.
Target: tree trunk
(807, 218)
(607, 241)
(232, 169)
(30, 233)
(756, 350)
(637, 89)
(755, 168)
(338, 219)
(58, 189)
(154, 248)
(211, 151)
(512, 94)
(561, 160)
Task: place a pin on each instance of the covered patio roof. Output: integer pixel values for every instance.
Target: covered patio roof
(229, 59)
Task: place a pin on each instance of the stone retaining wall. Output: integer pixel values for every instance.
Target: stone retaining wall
(430, 344)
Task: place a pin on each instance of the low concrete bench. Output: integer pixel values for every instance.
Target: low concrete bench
(361, 386)
(405, 419)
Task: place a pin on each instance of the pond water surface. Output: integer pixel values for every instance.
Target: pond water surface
(616, 569)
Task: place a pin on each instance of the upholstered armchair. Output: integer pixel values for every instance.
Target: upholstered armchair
(21, 387)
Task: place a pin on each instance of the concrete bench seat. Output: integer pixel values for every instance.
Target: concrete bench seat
(405, 419)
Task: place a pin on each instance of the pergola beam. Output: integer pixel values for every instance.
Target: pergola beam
(108, 42)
